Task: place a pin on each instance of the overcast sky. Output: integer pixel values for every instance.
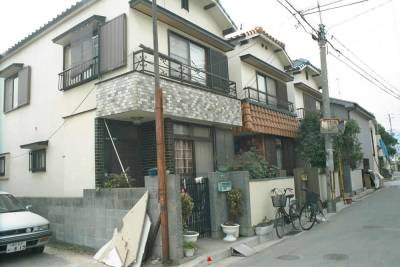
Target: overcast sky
(374, 37)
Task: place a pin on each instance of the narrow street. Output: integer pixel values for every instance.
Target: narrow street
(365, 234)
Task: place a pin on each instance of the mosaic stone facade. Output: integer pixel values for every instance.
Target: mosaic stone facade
(135, 91)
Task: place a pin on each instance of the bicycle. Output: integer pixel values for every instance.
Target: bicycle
(311, 209)
(282, 217)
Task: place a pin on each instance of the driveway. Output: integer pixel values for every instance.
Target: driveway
(365, 234)
(51, 257)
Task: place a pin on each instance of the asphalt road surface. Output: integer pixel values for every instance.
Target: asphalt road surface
(365, 234)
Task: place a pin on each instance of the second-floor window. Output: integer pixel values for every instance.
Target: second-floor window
(193, 59)
(16, 87)
(267, 89)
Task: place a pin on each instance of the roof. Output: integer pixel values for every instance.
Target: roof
(257, 31)
(46, 26)
(300, 64)
(3, 193)
(258, 119)
(352, 105)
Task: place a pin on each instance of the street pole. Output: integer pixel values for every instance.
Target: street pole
(161, 169)
(326, 115)
(390, 123)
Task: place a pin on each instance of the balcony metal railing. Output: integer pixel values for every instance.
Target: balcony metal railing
(302, 112)
(78, 74)
(267, 99)
(143, 61)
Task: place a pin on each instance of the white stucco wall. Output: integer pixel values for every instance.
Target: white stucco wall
(70, 155)
(298, 93)
(244, 74)
(356, 180)
(260, 197)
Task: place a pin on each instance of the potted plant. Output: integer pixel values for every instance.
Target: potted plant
(234, 199)
(187, 208)
(189, 248)
(263, 227)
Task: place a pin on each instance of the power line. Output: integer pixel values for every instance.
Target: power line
(365, 64)
(360, 14)
(294, 15)
(324, 5)
(363, 75)
(336, 7)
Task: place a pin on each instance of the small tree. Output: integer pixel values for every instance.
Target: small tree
(310, 142)
(234, 199)
(389, 140)
(347, 145)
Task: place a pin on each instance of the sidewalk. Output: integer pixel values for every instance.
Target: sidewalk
(220, 251)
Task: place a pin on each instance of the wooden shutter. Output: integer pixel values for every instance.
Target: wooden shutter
(8, 95)
(112, 38)
(218, 68)
(24, 82)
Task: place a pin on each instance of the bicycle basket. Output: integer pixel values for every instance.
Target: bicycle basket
(279, 201)
(312, 197)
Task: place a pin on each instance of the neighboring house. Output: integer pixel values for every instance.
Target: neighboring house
(306, 86)
(257, 65)
(346, 110)
(91, 68)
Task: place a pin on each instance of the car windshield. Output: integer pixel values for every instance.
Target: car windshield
(8, 203)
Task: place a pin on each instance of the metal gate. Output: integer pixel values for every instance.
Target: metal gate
(197, 188)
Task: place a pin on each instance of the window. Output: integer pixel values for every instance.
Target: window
(185, 4)
(184, 157)
(37, 160)
(12, 86)
(193, 56)
(2, 166)
(266, 89)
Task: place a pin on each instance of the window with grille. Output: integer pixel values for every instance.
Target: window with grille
(2, 166)
(37, 160)
(185, 4)
(184, 157)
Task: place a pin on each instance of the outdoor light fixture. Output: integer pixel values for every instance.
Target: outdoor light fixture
(136, 120)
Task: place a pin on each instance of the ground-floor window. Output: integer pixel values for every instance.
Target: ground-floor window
(184, 157)
(2, 166)
(37, 160)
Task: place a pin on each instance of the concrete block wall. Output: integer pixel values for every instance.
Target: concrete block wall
(134, 92)
(218, 205)
(88, 221)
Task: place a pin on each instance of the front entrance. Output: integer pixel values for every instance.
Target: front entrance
(197, 188)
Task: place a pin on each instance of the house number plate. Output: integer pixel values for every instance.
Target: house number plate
(224, 186)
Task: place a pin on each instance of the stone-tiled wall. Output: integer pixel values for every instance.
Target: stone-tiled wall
(135, 91)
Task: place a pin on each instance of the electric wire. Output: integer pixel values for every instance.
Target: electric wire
(336, 7)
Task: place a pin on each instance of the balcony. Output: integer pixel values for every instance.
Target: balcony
(302, 113)
(172, 69)
(78, 74)
(269, 100)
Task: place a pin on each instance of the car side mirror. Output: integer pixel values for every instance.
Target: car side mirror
(28, 207)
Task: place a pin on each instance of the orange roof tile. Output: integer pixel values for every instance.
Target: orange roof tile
(267, 121)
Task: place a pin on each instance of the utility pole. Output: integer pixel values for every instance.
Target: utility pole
(326, 115)
(161, 169)
(390, 123)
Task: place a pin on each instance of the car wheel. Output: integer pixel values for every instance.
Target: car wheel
(38, 250)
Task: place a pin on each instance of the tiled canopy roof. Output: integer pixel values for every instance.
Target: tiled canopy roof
(259, 119)
(253, 33)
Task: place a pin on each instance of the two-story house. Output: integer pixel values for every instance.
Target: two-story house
(257, 65)
(306, 86)
(79, 96)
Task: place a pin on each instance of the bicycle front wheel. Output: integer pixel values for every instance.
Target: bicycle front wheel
(280, 223)
(294, 216)
(307, 217)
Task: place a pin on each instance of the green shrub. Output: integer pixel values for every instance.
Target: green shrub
(254, 163)
(116, 181)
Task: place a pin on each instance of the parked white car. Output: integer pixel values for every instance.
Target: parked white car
(21, 229)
